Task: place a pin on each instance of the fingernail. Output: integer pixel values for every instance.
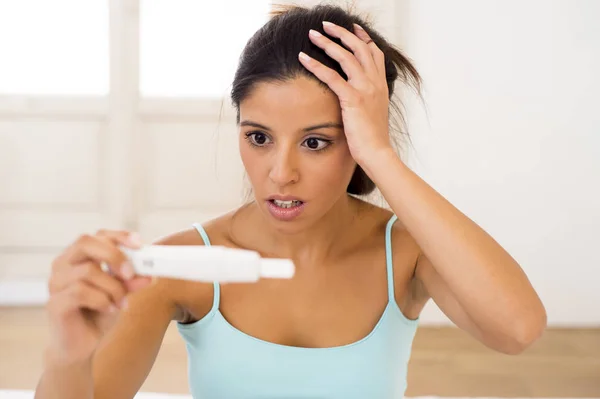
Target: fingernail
(105, 268)
(359, 27)
(314, 33)
(327, 23)
(303, 56)
(135, 239)
(112, 309)
(127, 270)
(124, 303)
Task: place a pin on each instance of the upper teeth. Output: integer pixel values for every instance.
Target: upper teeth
(286, 204)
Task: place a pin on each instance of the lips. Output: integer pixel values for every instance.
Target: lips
(285, 208)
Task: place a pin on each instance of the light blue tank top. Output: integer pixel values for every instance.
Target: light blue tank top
(226, 363)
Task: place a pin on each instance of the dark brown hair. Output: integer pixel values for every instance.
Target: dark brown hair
(271, 54)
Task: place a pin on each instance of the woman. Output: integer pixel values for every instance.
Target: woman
(312, 92)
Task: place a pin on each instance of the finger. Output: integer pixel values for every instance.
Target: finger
(134, 283)
(376, 53)
(117, 237)
(126, 238)
(99, 250)
(126, 268)
(120, 237)
(346, 59)
(91, 273)
(328, 76)
(84, 296)
(359, 47)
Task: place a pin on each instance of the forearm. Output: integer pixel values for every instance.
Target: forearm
(65, 380)
(487, 282)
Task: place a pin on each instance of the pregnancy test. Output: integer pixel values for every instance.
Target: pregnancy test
(206, 263)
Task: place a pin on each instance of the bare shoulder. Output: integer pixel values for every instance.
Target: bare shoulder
(188, 236)
(404, 243)
(374, 220)
(187, 294)
(405, 252)
(215, 228)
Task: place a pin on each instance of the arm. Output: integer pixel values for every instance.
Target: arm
(125, 354)
(475, 282)
(126, 357)
(474, 279)
(123, 359)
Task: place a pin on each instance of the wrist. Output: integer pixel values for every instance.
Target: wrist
(378, 160)
(56, 360)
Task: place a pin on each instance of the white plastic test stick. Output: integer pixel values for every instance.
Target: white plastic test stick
(206, 263)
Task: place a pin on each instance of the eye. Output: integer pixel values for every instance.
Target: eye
(317, 144)
(258, 139)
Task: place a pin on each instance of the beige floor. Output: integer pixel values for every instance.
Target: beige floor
(564, 363)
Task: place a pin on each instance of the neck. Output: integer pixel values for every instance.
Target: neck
(314, 244)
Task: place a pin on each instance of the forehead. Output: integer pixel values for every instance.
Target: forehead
(300, 100)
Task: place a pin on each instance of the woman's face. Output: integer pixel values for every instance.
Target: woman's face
(293, 148)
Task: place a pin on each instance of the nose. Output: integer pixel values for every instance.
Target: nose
(284, 170)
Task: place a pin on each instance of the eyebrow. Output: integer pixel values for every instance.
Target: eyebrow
(306, 129)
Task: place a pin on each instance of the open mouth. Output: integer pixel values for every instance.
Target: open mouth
(285, 210)
(286, 204)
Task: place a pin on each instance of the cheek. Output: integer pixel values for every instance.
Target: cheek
(334, 172)
(253, 162)
(249, 159)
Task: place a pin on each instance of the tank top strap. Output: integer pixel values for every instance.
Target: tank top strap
(216, 287)
(388, 258)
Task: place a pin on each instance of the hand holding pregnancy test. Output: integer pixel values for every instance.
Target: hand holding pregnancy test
(206, 263)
